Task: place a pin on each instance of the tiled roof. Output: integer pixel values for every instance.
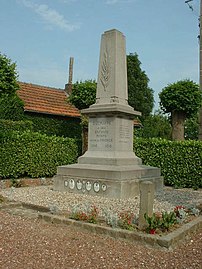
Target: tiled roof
(137, 123)
(46, 100)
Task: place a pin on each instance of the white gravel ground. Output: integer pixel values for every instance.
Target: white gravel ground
(45, 196)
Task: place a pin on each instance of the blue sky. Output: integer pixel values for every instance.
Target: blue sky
(41, 36)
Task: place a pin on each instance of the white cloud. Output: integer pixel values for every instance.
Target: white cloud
(113, 2)
(50, 16)
(67, 1)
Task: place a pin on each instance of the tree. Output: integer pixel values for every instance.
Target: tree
(8, 76)
(11, 106)
(182, 99)
(83, 94)
(140, 96)
(157, 125)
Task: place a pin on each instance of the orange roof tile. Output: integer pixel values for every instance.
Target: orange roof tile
(137, 123)
(46, 100)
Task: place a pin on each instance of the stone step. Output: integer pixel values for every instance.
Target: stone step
(109, 172)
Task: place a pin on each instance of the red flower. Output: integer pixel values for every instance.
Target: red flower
(152, 231)
(179, 207)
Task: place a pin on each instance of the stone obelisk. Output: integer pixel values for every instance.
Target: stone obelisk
(109, 167)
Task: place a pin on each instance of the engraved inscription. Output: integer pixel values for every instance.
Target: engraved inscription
(105, 70)
(124, 133)
(101, 138)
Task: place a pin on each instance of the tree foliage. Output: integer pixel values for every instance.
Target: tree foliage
(83, 94)
(11, 106)
(8, 76)
(181, 96)
(140, 96)
(182, 99)
(157, 125)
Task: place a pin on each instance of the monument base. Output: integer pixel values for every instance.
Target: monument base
(112, 181)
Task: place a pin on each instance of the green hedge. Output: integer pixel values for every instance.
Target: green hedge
(9, 125)
(52, 125)
(180, 162)
(34, 154)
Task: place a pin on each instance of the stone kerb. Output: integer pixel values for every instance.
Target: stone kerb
(164, 242)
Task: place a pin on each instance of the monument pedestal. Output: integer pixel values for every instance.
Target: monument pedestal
(109, 168)
(111, 181)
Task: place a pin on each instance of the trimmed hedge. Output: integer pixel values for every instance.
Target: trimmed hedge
(52, 125)
(9, 125)
(180, 161)
(34, 154)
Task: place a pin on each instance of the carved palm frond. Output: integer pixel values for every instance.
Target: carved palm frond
(105, 70)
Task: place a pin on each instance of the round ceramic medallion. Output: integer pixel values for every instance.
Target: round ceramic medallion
(96, 187)
(88, 185)
(66, 183)
(79, 185)
(71, 184)
(104, 187)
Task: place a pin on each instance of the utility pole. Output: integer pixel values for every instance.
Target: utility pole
(200, 57)
(68, 86)
(200, 63)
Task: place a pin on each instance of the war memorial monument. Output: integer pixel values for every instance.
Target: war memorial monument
(109, 167)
